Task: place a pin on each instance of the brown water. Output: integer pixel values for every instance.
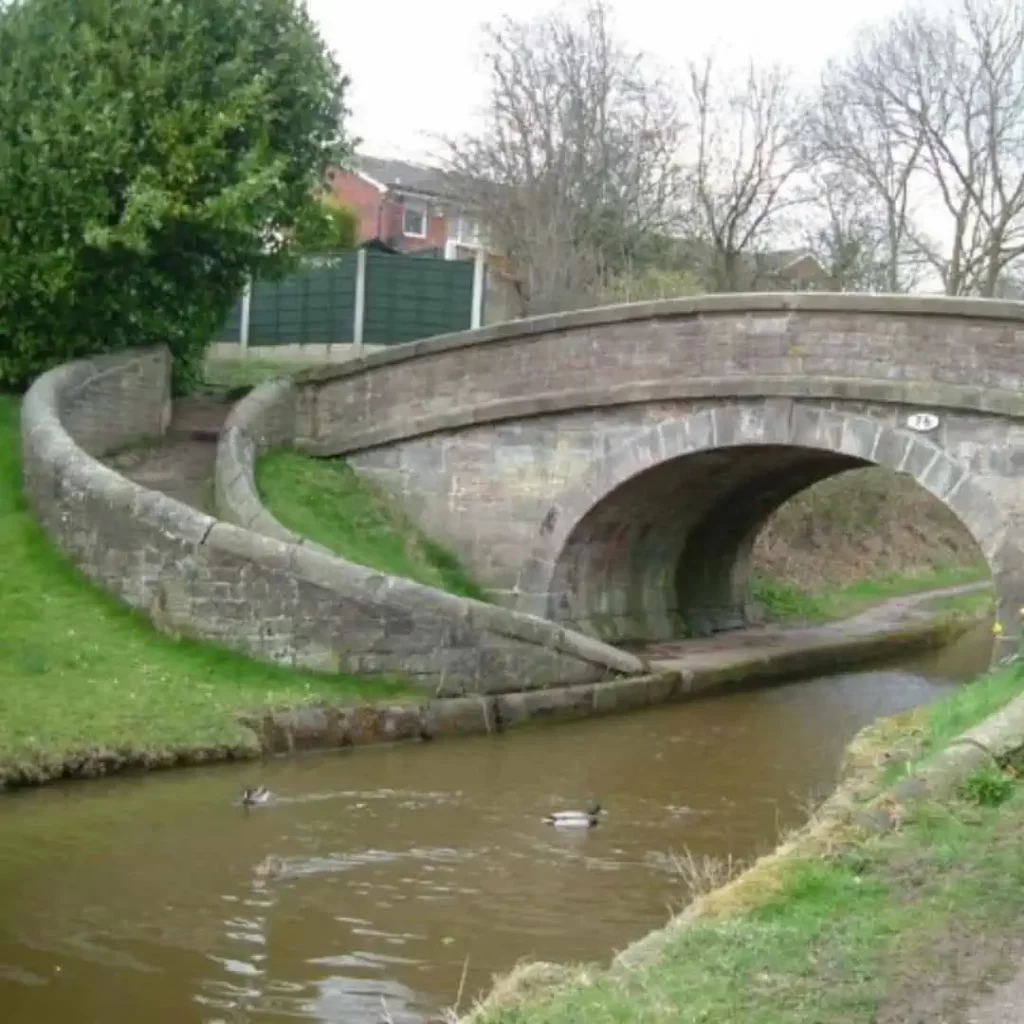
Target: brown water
(143, 899)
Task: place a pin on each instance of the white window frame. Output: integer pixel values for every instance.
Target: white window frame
(420, 207)
(459, 236)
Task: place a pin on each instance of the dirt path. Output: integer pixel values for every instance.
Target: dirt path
(181, 463)
(1004, 1005)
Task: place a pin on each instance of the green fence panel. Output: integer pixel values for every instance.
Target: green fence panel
(408, 297)
(314, 306)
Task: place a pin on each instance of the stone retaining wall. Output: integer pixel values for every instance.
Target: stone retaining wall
(262, 595)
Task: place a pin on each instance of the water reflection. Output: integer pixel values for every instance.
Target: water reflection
(381, 878)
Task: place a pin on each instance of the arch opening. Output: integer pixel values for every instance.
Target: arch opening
(669, 552)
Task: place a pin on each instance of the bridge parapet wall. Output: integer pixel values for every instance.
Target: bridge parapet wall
(484, 436)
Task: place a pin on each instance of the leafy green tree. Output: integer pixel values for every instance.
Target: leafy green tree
(151, 151)
(328, 227)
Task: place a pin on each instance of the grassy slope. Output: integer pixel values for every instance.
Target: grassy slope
(78, 672)
(906, 927)
(327, 502)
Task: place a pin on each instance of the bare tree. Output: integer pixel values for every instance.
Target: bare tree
(952, 89)
(856, 233)
(864, 156)
(576, 162)
(742, 177)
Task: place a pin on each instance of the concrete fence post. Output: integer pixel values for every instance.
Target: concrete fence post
(479, 278)
(359, 309)
(243, 326)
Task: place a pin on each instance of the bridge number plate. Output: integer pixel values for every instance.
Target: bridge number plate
(922, 421)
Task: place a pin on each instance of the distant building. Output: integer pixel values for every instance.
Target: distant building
(410, 206)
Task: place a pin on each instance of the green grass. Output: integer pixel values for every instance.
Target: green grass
(228, 374)
(327, 502)
(905, 927)
(79, 672)
(969, 705)
(784, 603)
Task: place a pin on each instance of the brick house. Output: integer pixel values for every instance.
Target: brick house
(409, 206)
(788, 270)
(767, 271)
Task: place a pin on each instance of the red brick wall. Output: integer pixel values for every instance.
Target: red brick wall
(361, 196)
(381, 215)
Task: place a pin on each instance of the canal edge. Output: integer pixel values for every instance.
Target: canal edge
(326, 728)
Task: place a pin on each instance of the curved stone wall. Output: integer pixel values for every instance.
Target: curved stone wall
(655, 538)
(270, 598)
(260, 422)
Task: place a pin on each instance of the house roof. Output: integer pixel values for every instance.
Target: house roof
(405, 175)
(775, 262)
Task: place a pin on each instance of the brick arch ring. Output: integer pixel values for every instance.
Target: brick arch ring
(813, 433)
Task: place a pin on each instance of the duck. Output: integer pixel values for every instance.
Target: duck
(253, 795)
(576, 819)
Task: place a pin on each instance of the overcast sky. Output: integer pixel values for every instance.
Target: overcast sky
(415, 64)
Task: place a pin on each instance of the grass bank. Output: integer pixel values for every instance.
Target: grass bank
(327, 502)
(785, 603)
(857, 539)
(911, 926)
(229, 374)
(867, 524)
(82, 675)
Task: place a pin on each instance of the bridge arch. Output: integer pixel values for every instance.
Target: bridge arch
(655, 538)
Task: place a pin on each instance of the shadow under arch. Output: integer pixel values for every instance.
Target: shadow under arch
(654, 541)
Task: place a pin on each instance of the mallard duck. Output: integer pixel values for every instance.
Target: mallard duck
(253, 795)
(576, 819)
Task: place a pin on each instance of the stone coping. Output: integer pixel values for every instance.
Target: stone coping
(693, 307)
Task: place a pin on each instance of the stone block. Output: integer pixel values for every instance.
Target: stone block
(859, 437)
(559, 702)
(891, 448)
(942, 476)
(459, 716)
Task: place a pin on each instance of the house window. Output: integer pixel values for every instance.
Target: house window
(414, 220)
(465, 231)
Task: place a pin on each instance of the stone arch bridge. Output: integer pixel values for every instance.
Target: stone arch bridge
(611, 468)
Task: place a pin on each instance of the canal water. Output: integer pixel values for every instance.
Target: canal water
(386, 879)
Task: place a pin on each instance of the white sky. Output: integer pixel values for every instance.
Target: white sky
(415, 65)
